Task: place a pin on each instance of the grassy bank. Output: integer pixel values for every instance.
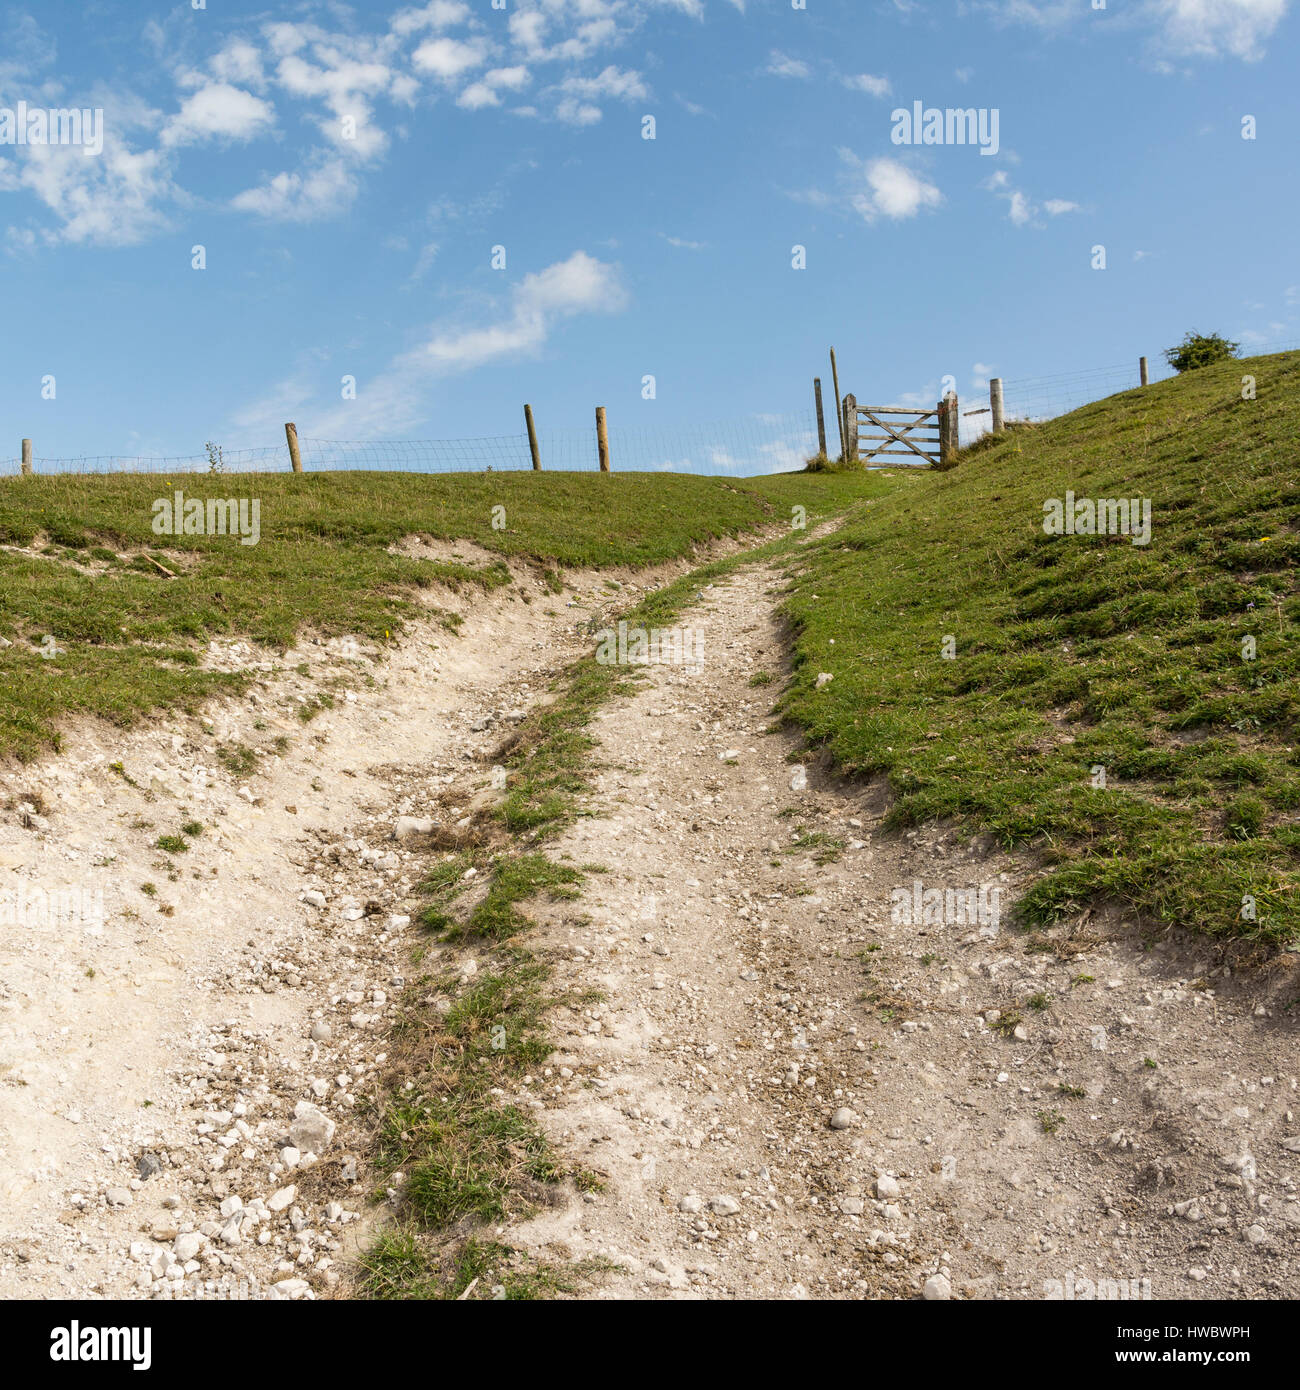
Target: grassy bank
(79, 563)
(1099, 699)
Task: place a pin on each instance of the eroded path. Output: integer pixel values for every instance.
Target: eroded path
(787, 1091)
(185, 1032)
(793, 1094)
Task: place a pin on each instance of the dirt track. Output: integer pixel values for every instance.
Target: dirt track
(750, 993)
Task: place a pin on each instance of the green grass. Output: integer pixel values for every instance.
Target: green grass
(400, 1266)
(131, 639)
(1076, 652)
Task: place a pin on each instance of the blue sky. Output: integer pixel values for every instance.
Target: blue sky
(348, 170)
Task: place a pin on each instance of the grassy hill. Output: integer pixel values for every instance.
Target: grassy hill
(75, 566)
(1071, 653)
(1127, 709)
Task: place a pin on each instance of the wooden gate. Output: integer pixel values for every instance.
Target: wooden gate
(891, 435)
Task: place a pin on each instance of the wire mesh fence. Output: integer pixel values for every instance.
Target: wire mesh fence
(235, 461)
(1044, 397)
(1041, 398)
(740, 447)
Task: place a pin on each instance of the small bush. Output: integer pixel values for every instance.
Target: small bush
(819, 463)
(1200, 350)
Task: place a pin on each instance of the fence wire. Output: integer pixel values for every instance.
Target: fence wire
(742, 447)
(1042, 398)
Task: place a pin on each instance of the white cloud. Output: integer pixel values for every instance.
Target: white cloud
(1215, 28)
(865, 82)
(448, 59)
(682, 244)
(325, 187)
(239, 63)
(579, 285)
(513, 79)
(439, 14)
(612, 82)
(892, 190)
(395, 398)
(579, 113)
(782, 65)
(527, 28)
(1021, 208)
(598, 26)
(1186, 28)
(476, 96)
(115, 199)
(342, 82)
(285, 38)
(218, 112)
(428, 254)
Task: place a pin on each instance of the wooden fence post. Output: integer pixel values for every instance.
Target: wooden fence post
(850, 428)
(839, 405)
(1142, 370)
(602, 439)
(295, 458)
(532, 439)
(948, 437)
(995, 403)
(27, 458)
(821, 419)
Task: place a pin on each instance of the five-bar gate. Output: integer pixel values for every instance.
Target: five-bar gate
(900, 436)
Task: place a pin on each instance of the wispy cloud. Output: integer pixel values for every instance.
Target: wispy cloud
(865, 82)
(1022, 211)
(395, 399)
(324, 187)
(782, 65)
(1217, 28)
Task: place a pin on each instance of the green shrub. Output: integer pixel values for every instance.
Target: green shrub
(1200, 350)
